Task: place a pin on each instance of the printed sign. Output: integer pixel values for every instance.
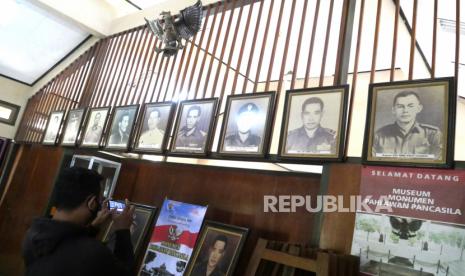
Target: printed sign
(173, 238)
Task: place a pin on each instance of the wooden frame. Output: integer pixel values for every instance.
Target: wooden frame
(433, 146)
(334, 134)
(14, 112)
(103, 126)
(167, 128)
(124, 145)
(251, 106)
(53, 140)
(320, 266)
(208, 133)
(79, 130)
(150, 212)
(215, 229)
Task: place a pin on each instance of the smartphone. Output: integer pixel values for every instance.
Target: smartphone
(118, 205)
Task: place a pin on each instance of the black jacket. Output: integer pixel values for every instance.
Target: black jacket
(59, 248)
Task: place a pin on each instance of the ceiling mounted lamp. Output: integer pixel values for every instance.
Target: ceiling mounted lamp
(171, 30)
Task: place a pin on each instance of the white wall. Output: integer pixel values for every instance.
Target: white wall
(15, 93)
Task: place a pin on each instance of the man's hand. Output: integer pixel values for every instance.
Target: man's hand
(125, 218)
(102, 216)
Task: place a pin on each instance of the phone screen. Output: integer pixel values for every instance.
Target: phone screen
(119, 206)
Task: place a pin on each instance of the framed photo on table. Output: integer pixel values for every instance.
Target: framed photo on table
(52, 130)
(411, 123)
(314, 123)
(246, 125)
(95, 126)
(72, 126)
(194, 124)
(121, 127)
(143, 220)
(155, 127)
(219, 246)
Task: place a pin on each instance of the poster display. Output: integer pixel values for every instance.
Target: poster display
(173, 239)
(424, 234)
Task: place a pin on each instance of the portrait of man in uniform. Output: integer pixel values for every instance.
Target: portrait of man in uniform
(95, 125)
(72, 127)
(411, 122)
(53, 127)
(193, 126)
(244, 137)
(406, 136)
(311, 137)
(246, 124)
(121, 126)
(155, 121)
(190, 135)
(313, 123)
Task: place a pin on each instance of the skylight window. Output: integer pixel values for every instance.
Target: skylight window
(32, 40)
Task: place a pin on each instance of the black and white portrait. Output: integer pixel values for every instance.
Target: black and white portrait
(143, 216)
(121, 126)
(95, 126)
(72, 127)
(193, 126)
(53, 127)
(217, 250)
(313, 122)
(409, 122)
(156, 123)
(245, 125)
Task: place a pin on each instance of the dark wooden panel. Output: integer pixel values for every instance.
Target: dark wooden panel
(26, 198)
(338, 228)
(234, 196)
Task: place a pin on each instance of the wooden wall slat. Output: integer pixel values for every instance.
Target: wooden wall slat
(312, 44)
(275, 44)
(241, 49)
(252, 47)
(145, 66)
(198, 50)
(262, 52)
(413, 40)
(328, 34)
(375, 43)
(299, 44)
(394, 40)
(215, 47)
(225, 42)
(210, 34)
(231, 52)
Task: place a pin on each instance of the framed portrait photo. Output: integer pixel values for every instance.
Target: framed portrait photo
(8, 113)
(93, 131)
(121, 127)
(73, 126)
(143, 220)
(194, 123)
(314, 123)
(219, 246)
(52, 130)
(411, 123)
(246, 125)
(155, 127)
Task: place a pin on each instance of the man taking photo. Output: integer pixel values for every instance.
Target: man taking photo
(66, 244)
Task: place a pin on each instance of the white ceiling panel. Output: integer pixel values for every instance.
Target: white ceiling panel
(32, 41)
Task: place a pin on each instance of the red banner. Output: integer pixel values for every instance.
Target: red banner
(168, 233)
(430, 194)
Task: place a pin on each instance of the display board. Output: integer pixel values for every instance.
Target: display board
(173, 238)
(424, 234)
